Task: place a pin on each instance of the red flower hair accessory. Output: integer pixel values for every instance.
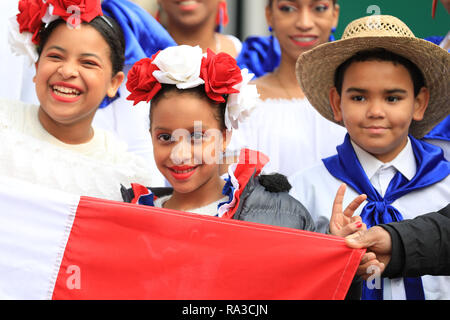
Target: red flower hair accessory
(186, 67)
(76, 11)
(141, 82)
(220, 73)
(30, 17)
(35, 14)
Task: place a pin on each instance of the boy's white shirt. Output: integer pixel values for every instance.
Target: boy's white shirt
(380, 174)
(316, 188)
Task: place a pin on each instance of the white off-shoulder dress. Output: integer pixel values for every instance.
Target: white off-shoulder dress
(290, 132)
(96, 168)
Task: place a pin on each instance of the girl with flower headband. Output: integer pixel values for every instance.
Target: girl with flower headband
(285, 126)
(198, 23)
(196, 101)
(78, 56)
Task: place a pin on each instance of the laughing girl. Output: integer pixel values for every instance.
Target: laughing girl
(79, 56)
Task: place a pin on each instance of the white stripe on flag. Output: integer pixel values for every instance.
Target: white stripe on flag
(35, 223)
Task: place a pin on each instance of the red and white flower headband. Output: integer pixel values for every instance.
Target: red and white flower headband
(36, 14)
(187, 67)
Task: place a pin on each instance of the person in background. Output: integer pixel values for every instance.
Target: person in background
(440, 134)
(198, 23)
(284, 126)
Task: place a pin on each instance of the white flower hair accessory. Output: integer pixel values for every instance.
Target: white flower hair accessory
(186, 67)
(23, 35)
(180, 70)
(21, 43)
(241, 105)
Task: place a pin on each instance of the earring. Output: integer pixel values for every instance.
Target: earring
(331, 38)
(271, 34)
(271, 38)
(222, 16)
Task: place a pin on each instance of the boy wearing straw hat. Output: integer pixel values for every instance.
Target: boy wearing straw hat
(388, 88)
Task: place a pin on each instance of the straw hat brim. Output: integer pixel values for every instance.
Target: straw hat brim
(315, 71)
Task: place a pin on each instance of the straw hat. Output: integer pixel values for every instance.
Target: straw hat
(315, 69)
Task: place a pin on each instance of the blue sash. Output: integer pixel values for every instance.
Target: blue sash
(259, 55)
(431, 168)
(143, 35)
(441, 131)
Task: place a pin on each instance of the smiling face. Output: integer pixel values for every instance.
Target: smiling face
(188, 141)
(189, 13)
(73, 75)
(301, 25)
(377, 105)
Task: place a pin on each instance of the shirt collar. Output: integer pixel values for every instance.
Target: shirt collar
(405, 162)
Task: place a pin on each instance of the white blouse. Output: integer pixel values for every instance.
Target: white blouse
(208, 210)
(290, 132)
(96, 168)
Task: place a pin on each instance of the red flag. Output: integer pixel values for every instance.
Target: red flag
(62, 246)
(125, 251)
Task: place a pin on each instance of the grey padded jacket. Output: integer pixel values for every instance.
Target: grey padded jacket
(257, 204)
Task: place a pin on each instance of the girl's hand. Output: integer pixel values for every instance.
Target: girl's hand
(344, 223)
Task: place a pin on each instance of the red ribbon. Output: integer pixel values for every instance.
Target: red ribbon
(433, 10)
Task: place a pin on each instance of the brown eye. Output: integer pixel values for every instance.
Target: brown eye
(321, 8)
(54, 56)
(90, 63)
(358, 98)
(164, 137)
(286, 8)
(393, 99)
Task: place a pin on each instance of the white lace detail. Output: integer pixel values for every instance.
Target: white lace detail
(273, 101)
(290, 132)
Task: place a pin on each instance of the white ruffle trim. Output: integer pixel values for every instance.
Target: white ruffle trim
(27, 158)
